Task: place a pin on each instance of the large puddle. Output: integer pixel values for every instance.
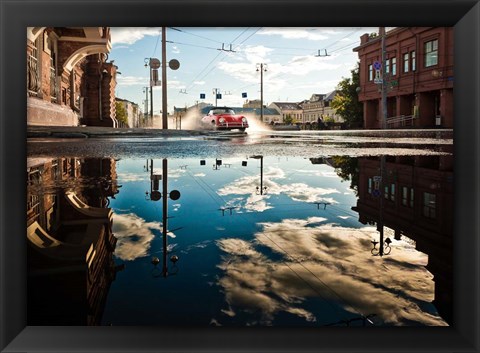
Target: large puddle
(276, 231)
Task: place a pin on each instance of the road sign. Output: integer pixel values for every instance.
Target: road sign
(202, 95)
(377, 178)
(154, 63)
(174, 64)
(244, 95)
(378, 81)
(377, 65)
(376, 193)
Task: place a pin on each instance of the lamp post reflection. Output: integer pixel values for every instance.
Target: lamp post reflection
(262, 189)
(156, 195)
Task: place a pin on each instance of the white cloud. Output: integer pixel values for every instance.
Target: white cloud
(294, 33)
(130, 35)
(327, 262)
(296, 191)
(134, 235)
(199, 83)
(131, 177)
(175, 50)
(132, 81)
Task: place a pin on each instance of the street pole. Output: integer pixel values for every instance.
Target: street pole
(261, 175)
(164, 214)
(261, 95)
(164, 79)
(262, 68)
(146, 102)
(384, 127)
(216, 94)
(151, 95)
(384, 84)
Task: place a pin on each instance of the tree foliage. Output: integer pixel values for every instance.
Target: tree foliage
(347, 169)
(346, 100)
(288, 119)
(121, 113)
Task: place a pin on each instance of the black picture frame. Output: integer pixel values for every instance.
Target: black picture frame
(16, 15)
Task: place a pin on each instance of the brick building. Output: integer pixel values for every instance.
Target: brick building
(419, 75)
(69, 81)
(417, 203)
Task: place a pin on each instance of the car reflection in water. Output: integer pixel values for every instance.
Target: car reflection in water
(267, 241)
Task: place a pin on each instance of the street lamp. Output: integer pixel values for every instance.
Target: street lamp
(155, 195)
(260, 189)
(154, 64)
(384, 248)
(262, 68)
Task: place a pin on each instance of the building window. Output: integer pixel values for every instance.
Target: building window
(394, 66)
(370, 185)
(407, 198)
(431, 53)
(370, 72)
(389, 192)
(429, 205)
(387, 66)
(414, 61)
(406, 61)
(404, 196)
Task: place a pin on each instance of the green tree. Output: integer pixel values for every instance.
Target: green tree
(347, 169)
(121, 114)
(288, 119)
(346, 100)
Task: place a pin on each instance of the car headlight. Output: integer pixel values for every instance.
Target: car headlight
(244, 120)
(221, 120)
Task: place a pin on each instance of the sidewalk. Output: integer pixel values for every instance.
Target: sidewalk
(97, 131)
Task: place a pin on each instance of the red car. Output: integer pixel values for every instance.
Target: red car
(224, 118)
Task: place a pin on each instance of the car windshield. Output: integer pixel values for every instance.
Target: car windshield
(218, 111)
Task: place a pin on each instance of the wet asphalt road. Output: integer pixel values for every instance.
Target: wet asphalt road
(144, 143)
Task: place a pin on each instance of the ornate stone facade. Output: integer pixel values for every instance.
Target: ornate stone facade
(58, 60)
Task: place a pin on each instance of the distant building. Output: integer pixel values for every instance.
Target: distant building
(288, 110)
(134, 116)
(69, 81)
(256, 103)
(419, 66)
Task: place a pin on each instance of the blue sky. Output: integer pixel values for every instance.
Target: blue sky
(294, 69)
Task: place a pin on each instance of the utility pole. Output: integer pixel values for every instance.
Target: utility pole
(164, 213)
(164, 79)
(384, 83)
(146, 100)
(215, 92)
(262, 67)
(383, 183)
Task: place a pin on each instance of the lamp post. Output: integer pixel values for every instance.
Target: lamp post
(384, 126)
(261, 67)
(164, 79)
(155, 195)
(145, 90)
(154, 64)
(215, 92)
(262, 189)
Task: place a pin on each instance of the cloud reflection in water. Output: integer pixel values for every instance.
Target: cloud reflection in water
(134, 235)
(331, 263)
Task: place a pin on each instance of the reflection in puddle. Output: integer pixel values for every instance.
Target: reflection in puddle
(244, 240)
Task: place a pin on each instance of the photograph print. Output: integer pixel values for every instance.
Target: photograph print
(240, 176)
